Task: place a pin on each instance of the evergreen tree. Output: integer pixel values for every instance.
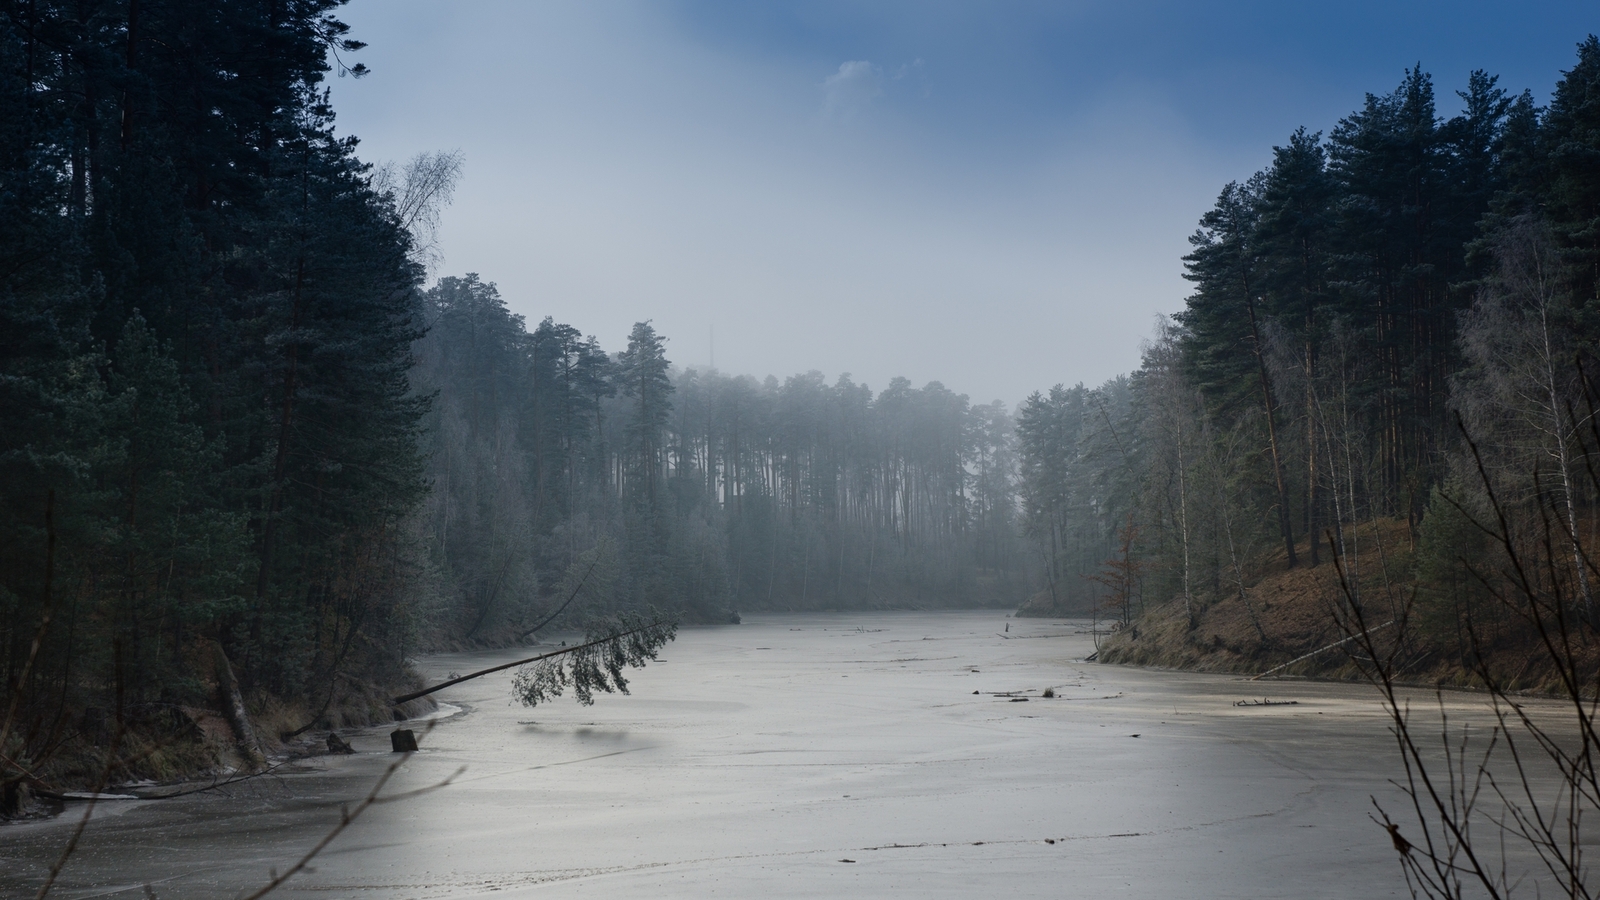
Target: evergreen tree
(642, 375)
(206, 312)
(1570, 141)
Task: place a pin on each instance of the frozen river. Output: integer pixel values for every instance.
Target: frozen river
(849, 755)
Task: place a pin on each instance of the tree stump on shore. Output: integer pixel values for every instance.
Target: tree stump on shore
(403, 740)
(15, 797)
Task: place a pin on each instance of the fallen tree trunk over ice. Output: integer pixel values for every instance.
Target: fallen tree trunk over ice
(1315, 652)
(654, 635)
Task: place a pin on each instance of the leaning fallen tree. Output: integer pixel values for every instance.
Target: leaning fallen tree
(614, 643)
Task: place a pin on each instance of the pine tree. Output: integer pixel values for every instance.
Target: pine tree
(1570, 140)
(642, 375)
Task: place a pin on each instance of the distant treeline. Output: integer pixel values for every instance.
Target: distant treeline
(1361, 306)
(692, 489)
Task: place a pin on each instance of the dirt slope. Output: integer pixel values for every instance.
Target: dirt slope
(1285, 614)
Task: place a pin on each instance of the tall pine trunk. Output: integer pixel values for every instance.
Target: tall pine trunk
(1285, 526)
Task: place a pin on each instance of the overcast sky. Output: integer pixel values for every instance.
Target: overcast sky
(992, 195)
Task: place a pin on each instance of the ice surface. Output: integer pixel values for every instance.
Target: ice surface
(809, 756)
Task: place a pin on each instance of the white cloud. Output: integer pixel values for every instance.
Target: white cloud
(852, 88)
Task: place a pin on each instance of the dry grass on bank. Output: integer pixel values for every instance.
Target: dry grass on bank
(168, 743)
(1294, 609)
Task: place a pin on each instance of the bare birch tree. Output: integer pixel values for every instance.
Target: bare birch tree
(420, 189)
(1520, 393)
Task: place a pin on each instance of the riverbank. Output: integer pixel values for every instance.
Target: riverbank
(1283, 622)
(1280, 620)
(154, 750)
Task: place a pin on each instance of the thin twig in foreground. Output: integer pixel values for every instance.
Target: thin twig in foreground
(83, 822)
(347, 816)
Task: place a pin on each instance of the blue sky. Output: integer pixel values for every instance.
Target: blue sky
(994, 195)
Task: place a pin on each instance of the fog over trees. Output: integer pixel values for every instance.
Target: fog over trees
(693, 489)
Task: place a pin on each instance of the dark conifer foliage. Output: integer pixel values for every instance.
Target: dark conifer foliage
(1569, 182)
(206, 320)
(1352, 303)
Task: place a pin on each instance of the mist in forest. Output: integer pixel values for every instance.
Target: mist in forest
(697, 489)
